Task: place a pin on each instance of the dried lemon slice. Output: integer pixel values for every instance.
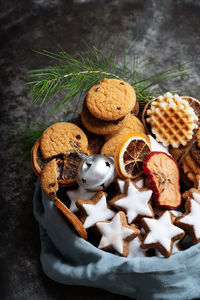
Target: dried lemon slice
(131, 153)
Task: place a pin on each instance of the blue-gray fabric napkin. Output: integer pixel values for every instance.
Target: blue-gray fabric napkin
(68, 259)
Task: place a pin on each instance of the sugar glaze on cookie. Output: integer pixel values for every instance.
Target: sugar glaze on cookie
(161, 233)
(79, 193)
(135, 202)
(121, 184)
(116, 234)
(191, 220)
(196, 196)
(94, 210)
(135, 249)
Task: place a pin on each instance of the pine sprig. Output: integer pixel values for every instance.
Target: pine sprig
(76, 75)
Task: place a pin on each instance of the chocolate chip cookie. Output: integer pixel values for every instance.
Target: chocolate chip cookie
(111, 99)
(101, 127)
(55, 139)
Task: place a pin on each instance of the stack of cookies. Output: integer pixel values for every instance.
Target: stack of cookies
(191, 161)
(107, 106)
(110, 109)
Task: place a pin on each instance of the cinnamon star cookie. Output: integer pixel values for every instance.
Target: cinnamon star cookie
(135, 249)
(135, 202)
(78, 193)
(192, 193)
(161, 233)
(116, 234)
(190, 220)
(121, 184)
(94, 210)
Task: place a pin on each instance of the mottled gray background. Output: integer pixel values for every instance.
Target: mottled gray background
(168, 32)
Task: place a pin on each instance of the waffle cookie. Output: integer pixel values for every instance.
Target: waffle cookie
(171, 119)
(195, 104)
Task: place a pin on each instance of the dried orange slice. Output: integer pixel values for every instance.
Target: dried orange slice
(131, 153)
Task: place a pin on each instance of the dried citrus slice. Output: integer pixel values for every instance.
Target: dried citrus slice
(131, 153)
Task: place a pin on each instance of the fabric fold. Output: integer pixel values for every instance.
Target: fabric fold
(68, 259)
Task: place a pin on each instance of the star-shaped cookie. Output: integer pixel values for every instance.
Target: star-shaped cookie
(196, 195)
(161, 233)
(79, 193)
(121, 184)
(94, 210)
(191, 219)
(135, 249)
(135, 201)
(192, 194)
(176, 248)
(116, 234)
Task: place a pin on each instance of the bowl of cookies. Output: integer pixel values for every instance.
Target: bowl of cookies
(118, 196)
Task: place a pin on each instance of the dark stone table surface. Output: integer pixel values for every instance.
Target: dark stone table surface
(168, 32)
